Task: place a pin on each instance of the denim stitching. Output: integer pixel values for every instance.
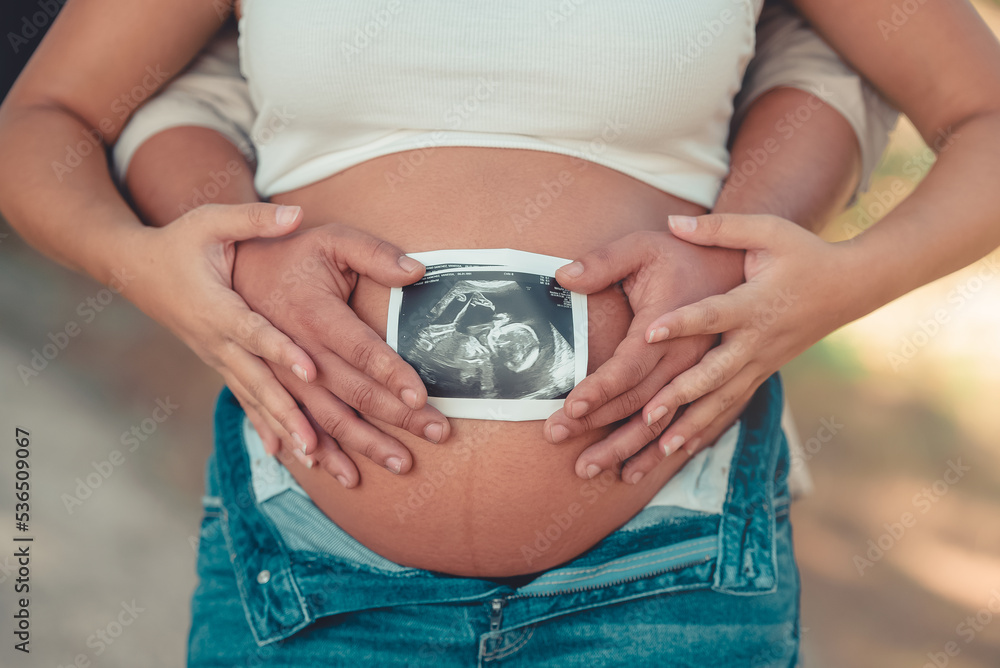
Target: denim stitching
(517, 646)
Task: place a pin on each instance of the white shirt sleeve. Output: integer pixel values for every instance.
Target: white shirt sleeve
(210, 93)
(789, 54)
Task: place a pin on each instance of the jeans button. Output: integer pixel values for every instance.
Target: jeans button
(263, 577)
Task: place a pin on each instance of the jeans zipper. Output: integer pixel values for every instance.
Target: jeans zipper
(496, 613)
(498, 603)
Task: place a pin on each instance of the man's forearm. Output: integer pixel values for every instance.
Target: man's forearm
(802, 170)
(182, 168)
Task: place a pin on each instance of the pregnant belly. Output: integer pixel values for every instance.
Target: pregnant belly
(496, 499)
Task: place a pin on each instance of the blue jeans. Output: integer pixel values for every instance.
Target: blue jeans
(672, 587)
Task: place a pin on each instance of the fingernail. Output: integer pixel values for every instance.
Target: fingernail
(593, 470)
(343, 480)
(658, 334)
(673, 444)
(434, 431)
(408, 263)
(394, 464)
(558, 433)
(409, 398)
(691, 447)
(286, 215)
(299, 442)
(300, 372)
(305, 461)
(579, 409)
(682, 223)
(655, 415)
(636, 477)
(573, 269)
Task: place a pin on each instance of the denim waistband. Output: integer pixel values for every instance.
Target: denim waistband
(284, 590)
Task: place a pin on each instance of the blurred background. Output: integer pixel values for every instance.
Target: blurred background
(898, 545)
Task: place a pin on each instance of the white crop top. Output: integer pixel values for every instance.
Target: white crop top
(644, 87)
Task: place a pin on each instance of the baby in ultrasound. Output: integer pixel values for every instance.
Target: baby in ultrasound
(488, 339)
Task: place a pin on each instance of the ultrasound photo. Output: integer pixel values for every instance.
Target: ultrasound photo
(493, 337)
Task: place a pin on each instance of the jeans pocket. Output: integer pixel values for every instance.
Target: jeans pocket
(747, 553)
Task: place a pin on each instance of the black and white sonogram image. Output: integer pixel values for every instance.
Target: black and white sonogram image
(489, 334)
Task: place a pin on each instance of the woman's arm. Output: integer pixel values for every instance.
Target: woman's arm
(169, 174)
(164, 172)
(804, 123)
(943, 70)
(69, 104)
(807, 174)
(779, 187)
(173, 169)
(72, 101)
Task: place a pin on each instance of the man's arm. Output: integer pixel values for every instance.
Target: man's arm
(949, 221)
(183, 168)
(833, 121)
(821, 186)
(808, 176)
(806, 112)
(190, 146)
(795, 154)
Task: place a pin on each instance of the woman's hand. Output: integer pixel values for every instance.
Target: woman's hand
(660, 272)
(798, 289)
(302, 283)
(185, 283)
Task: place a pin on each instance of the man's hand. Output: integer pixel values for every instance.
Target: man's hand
(302, 283)
(658, 270)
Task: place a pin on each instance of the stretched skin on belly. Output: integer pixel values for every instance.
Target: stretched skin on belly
(478, 504)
